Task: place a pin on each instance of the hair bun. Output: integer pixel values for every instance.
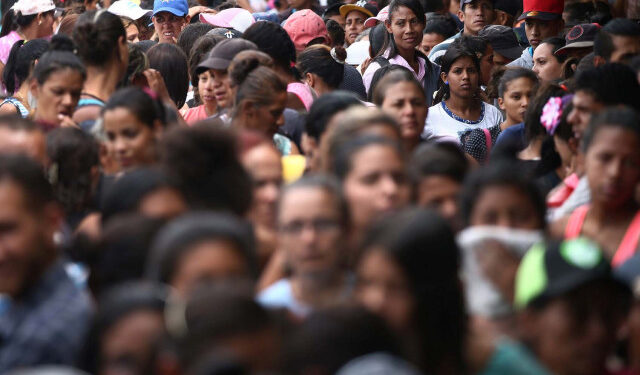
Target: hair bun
(242, 69)
(341, 53)
(61, 42)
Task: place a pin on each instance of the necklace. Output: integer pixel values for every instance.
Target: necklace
(460, 119)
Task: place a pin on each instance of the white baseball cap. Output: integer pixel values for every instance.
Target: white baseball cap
(127, 8)
(357, 52)
(29, 7)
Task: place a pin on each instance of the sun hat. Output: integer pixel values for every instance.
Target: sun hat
(127, 8)
(303, 26)
(544, 10)
(580, 36)
(554, 268)
(503, 40)
(382, 16)
(178, 8)
(221, 55)
(232, 18)
(362, 6)
(29, 7)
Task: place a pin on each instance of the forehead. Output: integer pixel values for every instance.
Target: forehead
(354, 14)
(306, 201)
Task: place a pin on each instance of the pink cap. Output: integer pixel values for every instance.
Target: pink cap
(234, 18)
(382, 16)
(303, 26)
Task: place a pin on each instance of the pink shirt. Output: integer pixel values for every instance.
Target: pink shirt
(193, 115)
(303, 92)
(396, 60)
(6, 42)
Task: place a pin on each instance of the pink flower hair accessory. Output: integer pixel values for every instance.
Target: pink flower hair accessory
(552, 112)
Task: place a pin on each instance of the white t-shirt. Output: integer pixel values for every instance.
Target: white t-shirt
(444, 126)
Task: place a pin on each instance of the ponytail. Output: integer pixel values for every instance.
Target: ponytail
(9, 73)
(21, 61)
(8, 23)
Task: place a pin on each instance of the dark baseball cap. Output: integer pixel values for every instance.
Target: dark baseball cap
(227, 33)
(463, 2)
(510, 7)
(503, 40)
(554, 268)
(580, 36)
(221, 55)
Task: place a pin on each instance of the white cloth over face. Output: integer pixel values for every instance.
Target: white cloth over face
(482, 297)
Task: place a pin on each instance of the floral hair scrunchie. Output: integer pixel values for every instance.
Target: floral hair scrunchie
(552, 112)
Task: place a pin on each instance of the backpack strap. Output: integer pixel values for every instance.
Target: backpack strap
(487, 138)
(381, 60)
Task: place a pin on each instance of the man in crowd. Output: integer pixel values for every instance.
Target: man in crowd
(543, 19)
(475, 14)
(45, 315)
(169, 18)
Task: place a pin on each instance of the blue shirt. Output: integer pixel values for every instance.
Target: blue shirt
(47, 325)
(512, 135)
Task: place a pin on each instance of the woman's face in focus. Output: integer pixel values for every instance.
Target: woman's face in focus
(58, 96)
(545, 64)
(406, 28)
(516, 98)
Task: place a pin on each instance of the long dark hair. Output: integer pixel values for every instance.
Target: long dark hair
(423, 245)
(21, 62)
(455, 52)
(417, 9)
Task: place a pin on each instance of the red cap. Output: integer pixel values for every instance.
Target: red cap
(545, 10)
(303, 26)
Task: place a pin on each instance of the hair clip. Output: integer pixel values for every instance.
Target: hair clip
(335, 56)
(151, 93)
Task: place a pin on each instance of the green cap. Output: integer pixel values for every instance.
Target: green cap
(555, 268)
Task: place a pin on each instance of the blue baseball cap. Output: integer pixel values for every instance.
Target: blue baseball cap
(178, 8)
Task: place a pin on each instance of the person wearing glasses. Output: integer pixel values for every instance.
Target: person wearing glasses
(312, 227)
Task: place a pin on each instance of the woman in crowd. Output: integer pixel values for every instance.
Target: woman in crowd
(354, 16)
(461, 108)
(203, 86)
(612, 161)
(408, 274)
(322, 67)
(202, 247)
(102, 46)
(263, 162)
(404, 26)
(374, 179)
(260, 100)
(546, 64)
(56, 85)
(273, 40)
(516, 88)
(129, 323)
(17, 70)
(133, 122)
(25, 22)
(216, 63)
(401, 96)
(169, 60)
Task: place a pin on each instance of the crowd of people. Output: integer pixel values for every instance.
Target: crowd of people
(319, 187)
